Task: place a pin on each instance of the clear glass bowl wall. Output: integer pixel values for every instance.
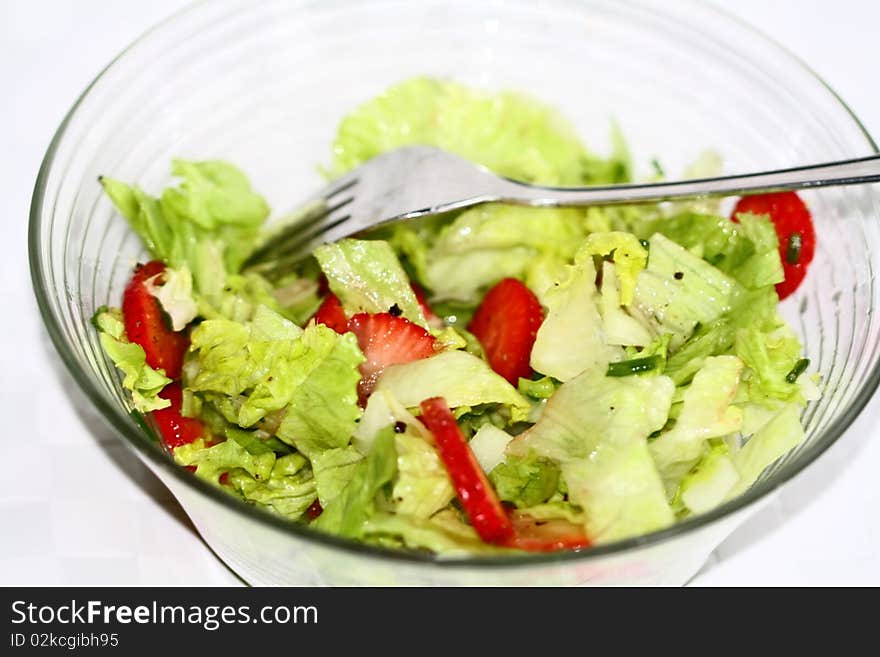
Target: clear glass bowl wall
(264, 85)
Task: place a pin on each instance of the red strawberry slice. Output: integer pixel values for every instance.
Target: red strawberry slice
(422, 298)
(546, 536)
(387, 340)
(473, 489)
(145, 323)
(506, 323)
(331, 314)
(794, 226)
(314, 510)
(176, 429)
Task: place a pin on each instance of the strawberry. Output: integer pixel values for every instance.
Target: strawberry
(331, 314)
(506, 323)
(176, 429)
(146, 325)
(314, 510)
(474, 491)
(387, 340)
(546, 536)
(794, 226)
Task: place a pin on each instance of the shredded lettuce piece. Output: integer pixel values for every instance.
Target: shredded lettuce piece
(289, 490)
(488, 445)
(596, 429)
(629, 257)
(525, 481)
(770, 357)
(707, 413)
(710, 481)
(346, 513)
(212, 461)
(619, 326)
(571, 339)
(461, 378)
(214, 201)
(444, 533)
(422, 487)
(141, 380)
(367, 277)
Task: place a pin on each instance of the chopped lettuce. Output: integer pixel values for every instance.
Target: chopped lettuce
(571, 340)
(776, 438)
(596, 429)
(334, 469)
(141, 380)
(678, 290)
(275, 365)
(367, 277)
(214, 202)
(525, 481)
(346, 513)
(383, 410)
(709, 481)
(619, 326)
(490, 242)
(488, 128)
(212, 461)
(444, 533)
(706, 413)
(770, 357)
(422, 487)
(488, 445)
(461, 378)
(289, 490)
(627, 253)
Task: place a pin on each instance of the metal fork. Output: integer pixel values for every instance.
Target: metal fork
(416, 181)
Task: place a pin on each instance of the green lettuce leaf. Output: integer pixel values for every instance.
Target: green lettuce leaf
(213, 461)
(777, 437)
(367, 277)
(334, 469)
(571, 340)
(384, 410)
(214, 201)
(488, 128)
(288, 491)
(706, 413)
(422, 487)
(596, 429)
(461, 378)
(346, 513)
(525, 481)
(490, 242)
(710, 481)
(273, 365)
(770, 356)
(678, 290)
(619, 326)
(444, 534)
(629, 257)
(748, 251)
(141, 380)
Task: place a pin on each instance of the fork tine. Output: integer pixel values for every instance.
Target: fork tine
(309, 221)
(296, 250)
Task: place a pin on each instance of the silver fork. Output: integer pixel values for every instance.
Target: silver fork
(416, 181)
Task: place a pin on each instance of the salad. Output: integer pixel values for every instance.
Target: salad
(496, 380)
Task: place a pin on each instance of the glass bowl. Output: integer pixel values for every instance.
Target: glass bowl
(264, 84)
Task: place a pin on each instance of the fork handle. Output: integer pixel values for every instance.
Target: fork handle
(846, 172)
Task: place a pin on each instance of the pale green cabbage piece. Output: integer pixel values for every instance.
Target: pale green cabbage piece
(571, 340)
(346, 513)
(596, 429)
(367, 277)
(707, 413)
(461, 378)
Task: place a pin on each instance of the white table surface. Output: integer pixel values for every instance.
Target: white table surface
(76, 507)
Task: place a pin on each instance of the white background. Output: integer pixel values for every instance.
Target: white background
(77, 508)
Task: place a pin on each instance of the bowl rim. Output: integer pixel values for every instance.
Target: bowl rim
(143, 439)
